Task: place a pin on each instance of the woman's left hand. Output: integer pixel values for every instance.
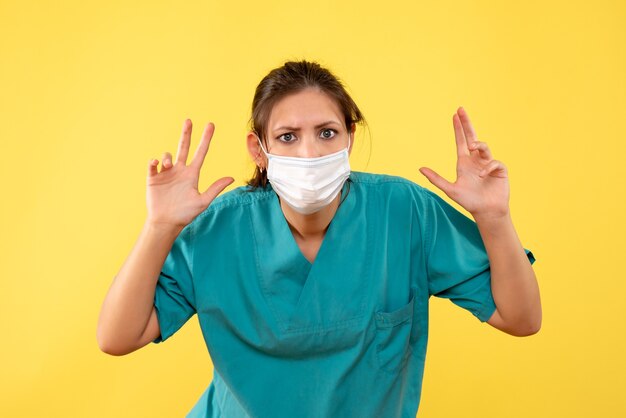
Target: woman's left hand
(482, 184)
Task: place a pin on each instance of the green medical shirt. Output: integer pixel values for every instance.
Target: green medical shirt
(343, 337)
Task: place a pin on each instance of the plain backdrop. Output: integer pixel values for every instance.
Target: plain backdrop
(91, 91)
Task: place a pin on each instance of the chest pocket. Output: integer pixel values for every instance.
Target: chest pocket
(393, 336)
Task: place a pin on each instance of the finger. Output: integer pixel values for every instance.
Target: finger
(493, 165)
(482, 148)
(183, 144)
(152, 167)
(461, 142)
(166, 161)
(468, 129)
(203, 146)
(437, 180)
(214, 189)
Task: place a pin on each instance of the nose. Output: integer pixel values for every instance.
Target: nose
(308, 148)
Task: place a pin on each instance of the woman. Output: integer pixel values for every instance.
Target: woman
(311, 283)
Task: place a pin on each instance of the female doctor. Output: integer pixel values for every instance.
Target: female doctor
(311, 283)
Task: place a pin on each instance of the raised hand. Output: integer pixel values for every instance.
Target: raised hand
(172, 194)
(482, 185)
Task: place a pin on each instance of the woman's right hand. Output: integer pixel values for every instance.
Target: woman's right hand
(173, 199)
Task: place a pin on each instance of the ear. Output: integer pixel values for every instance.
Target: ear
(255, 151)
(352, 131)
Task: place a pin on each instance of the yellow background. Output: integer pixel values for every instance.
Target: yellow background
(90, 92)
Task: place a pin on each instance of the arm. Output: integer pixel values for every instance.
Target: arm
(513, 281)
(482, 188)
(127, 319)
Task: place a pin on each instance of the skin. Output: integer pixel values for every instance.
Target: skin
(128, 319)
(304, 111)
(482, 188)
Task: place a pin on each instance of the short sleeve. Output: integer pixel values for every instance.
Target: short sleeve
(457, 262)
(174, 297)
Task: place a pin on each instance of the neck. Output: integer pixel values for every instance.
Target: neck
(313, 225)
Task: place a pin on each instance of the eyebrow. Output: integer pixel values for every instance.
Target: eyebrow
(330, 122)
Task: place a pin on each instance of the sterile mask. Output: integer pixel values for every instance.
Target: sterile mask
(308, 184)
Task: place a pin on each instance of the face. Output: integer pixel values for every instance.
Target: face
(306, 124)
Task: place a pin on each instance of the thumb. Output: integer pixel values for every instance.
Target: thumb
(436, 179)
(214, 189)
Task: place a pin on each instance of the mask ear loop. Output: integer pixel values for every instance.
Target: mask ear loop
(261, 169)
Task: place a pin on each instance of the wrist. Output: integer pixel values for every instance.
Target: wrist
(492, 220)
(494, 226)
(163, 229)
(496, 214)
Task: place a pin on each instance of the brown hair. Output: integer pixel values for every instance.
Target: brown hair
(293, 77)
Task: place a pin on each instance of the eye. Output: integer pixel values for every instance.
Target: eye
(332, 133)
(289, 139)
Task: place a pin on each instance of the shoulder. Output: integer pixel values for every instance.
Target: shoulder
(239, 197)
(398, 197)
(389, 186)
(231, 206)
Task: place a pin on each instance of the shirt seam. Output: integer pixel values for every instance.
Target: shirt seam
(360, 177)
(427, 237)
(235, 200)
(192, 237)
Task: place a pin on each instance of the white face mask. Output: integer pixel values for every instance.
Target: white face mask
(308, 184)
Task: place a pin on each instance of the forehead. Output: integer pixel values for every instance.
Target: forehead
(307, 107)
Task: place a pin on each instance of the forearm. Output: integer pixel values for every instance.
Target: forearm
(128, 304)
(513, 281)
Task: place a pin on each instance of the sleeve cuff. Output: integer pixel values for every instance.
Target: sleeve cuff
(490, 307)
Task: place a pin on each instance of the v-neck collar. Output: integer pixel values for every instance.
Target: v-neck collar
(293, 286)
(328, 235)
